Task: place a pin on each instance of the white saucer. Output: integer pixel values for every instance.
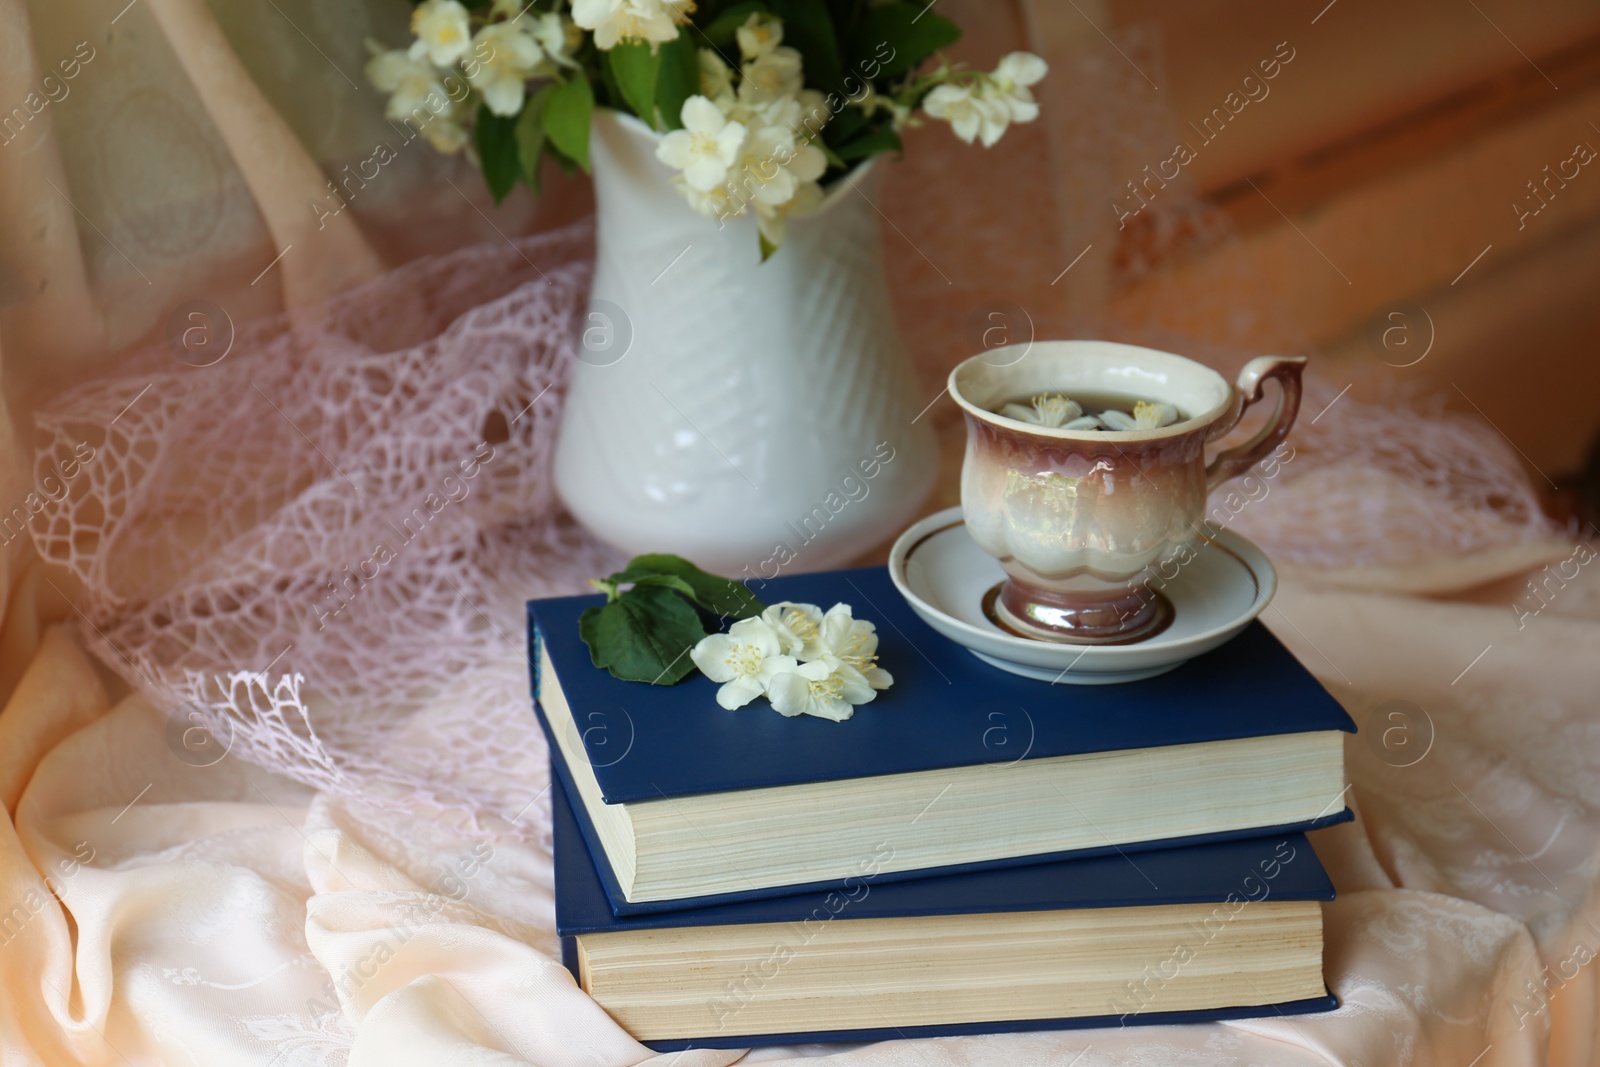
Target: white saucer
(944, 576)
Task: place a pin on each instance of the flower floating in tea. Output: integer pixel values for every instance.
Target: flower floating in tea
(1055, 411)
(1146, 416)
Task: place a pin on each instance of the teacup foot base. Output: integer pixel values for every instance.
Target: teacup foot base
(1115, 620)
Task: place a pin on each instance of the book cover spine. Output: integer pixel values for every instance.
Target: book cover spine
(533, 653)
(569, 957)
(1308, 1006)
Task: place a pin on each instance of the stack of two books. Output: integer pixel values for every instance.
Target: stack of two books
(973, 852)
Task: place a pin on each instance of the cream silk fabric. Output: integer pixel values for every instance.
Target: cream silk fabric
(225, 916)
(157, 912)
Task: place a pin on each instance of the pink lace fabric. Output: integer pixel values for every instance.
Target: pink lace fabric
(315, 551)
(1389, 486)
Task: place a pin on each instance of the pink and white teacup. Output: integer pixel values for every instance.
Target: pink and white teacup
(1079, 518)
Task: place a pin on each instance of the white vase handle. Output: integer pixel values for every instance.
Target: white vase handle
(1235, 461)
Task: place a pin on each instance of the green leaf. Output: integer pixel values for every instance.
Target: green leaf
(845, 124)
(808, 28)
(497, 152)
(667, 581)
(883, 139)
(567, 165)
(767, 247)
(893, 39)
(722, 31)
(530, 137)
(567, 117)
(635, 68)
(643, 636)
(845, 15)
(679, 79)
(611, 95)
(718, 595)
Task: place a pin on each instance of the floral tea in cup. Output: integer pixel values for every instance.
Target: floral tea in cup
(1085, 469)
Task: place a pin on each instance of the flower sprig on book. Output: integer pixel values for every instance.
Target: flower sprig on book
(655, 611)
(804, 661)
(652, 628)
(759, 101)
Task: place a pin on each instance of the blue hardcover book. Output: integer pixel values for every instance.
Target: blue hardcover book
(961, 764)
(1220, 931)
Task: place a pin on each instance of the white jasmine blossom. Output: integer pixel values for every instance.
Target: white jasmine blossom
(805, 661)
(414, 83)
(504, 57)
(853, 644)
(714, 203)
(777, 175)
(811, 113)
(773, 166)
(985, 106)
(716, 80)
(775, 75)
(594, 14)
(614, 21)
(445, 134)
(755, 111)
(970, 114)
(556, 36)
(819, 688)
(1011, 81)
(759, 35)
(773, 220)
(797, 625)
(443, 32)
(762, 153)
(705, 148)
(744, 659)
(1146, 416)
(418, 96)
(1054, 410)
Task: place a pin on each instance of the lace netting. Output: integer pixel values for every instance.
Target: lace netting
(1374, 485)
(316, 550)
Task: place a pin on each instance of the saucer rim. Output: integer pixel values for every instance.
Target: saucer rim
(1249, 555)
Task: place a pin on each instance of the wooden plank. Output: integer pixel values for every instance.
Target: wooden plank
(1513, 342)
(1327, 260)
(1359, 64)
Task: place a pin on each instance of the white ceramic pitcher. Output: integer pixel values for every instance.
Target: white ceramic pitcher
(753, 417)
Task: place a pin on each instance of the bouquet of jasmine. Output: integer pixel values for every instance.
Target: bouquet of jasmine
(759, 102)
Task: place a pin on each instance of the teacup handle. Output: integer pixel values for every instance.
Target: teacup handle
(1235, 461)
